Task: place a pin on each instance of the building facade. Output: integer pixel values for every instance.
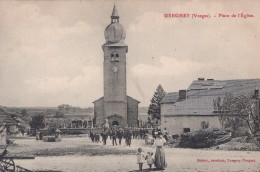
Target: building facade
(193, 109)
(8, 125)
(115, 106)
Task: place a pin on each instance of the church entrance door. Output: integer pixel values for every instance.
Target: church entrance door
(115, 123)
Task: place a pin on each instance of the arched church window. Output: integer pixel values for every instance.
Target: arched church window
(117, 58)
(114, 57)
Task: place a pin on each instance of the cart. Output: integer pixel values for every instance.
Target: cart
(7, 162)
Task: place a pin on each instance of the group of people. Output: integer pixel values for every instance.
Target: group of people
(95, 137)
(114, 134)
(158, 160)
(118, 134)
(139, 133)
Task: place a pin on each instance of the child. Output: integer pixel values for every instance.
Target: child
(146, 137)
(150, 160)
(140, 158)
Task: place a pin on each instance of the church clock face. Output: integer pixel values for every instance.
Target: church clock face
(114, 69)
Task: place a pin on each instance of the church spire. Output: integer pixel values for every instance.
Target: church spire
(114, 16)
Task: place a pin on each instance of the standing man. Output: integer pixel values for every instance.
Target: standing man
(114, 137)
(91, 136)
(110, 133)
(120, 135)
(104, 137)
(128, 138)
(153, 133)
(134, 133)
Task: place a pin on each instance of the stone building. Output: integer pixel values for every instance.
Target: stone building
(10, 123)
(193, 109)
(71, 120)
(115, 106)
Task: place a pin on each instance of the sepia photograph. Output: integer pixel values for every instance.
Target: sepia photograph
(129, 86)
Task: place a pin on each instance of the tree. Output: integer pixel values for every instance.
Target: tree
(64, 107)
(54, 124)
(24, 112)
(154, 107)
(37, 122)
(59, 114)
(237, 111)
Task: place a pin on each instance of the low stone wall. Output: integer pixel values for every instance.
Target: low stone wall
(74, 131)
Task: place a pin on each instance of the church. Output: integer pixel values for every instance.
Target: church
(115, 107)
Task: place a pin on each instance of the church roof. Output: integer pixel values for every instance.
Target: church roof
(127, 97)
(98, 99)
(117, 44)
(133, 99)
(114, 13)
(201, 94)
(115, 32)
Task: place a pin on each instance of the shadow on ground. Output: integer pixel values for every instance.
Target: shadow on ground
(147, 170)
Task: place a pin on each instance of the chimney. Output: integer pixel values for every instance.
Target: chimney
(256, 94)
(182, 94)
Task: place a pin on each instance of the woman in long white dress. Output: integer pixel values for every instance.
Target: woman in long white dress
(159, 160)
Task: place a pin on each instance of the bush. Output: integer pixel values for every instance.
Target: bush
(204, 138)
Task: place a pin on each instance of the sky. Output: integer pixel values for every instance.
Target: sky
(51, 51)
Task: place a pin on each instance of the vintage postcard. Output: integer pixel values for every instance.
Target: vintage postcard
(129, 85)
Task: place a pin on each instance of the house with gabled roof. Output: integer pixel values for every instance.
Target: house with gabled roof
(8, 121)
(7, 125)
(192, 109)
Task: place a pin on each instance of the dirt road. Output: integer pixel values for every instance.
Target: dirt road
(122, 158)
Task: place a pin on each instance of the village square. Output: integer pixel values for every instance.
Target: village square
(203, 124)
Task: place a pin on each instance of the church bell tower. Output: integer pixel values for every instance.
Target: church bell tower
(114, 68)
(115, 107)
